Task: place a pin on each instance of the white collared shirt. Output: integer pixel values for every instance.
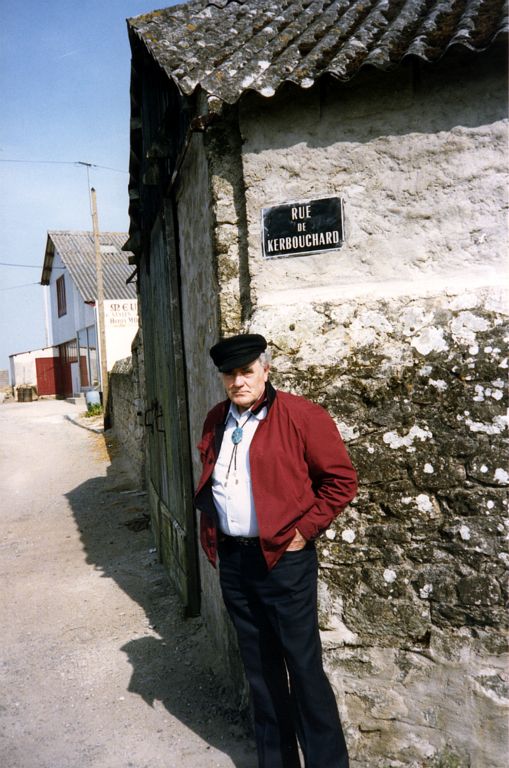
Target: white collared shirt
(232, 492)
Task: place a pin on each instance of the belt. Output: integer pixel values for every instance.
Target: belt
(241, 541)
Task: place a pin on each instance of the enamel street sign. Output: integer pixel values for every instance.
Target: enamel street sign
(302, 228)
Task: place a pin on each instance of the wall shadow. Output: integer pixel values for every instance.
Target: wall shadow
(173, 662)
(415, 97)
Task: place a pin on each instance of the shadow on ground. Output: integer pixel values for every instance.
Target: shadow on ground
(173, 663)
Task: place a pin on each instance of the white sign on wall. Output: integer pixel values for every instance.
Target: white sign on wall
(121, 314)
(121, 324)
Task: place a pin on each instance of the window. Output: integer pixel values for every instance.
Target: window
(62, 306)
(87, 355)
(69, 351)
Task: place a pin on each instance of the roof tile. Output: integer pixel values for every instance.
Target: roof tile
(230, 46)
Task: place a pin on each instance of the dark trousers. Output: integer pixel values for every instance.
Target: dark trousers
(275, 616)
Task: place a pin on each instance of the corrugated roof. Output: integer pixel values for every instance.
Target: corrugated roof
(77, 252)
(230, 46)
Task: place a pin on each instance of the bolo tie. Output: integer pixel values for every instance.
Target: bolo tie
(237, 435)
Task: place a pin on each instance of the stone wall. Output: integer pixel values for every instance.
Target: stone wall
(421, 169)
(126, 401)
(413, 574)
(199, 245)
(401, 334)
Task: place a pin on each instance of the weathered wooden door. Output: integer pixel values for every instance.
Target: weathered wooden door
(65, 374)
(48, 374)
(170, 478)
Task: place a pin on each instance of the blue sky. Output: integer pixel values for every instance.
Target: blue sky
(64, 91)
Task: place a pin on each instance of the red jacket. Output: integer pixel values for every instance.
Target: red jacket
(301, 475)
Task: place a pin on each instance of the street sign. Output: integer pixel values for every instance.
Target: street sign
(302, 228)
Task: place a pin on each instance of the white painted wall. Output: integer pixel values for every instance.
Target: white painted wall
(422, 172)
(79, 315)
(22, 365)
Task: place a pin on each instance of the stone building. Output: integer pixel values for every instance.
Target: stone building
(395, 113)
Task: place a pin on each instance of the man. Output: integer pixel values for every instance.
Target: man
(275, 475)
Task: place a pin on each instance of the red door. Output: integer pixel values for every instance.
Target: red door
(68, 355)
(47, 371)
(83, 371)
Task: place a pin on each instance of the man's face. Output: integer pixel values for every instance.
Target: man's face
(246, 384)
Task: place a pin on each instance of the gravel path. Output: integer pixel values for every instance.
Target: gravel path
(98, 669)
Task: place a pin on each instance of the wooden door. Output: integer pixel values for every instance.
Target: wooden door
(84, 381)
(48, 374)
(171, 488)
(64, 380)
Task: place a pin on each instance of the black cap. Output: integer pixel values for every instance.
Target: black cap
(237, 351)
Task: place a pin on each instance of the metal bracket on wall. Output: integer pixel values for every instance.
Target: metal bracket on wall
(158, 416)
(146, 422)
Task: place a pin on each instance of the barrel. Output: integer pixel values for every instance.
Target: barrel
(25, 394)
(92, 397)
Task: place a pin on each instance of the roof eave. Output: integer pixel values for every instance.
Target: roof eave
(231, 94)
(47, 267)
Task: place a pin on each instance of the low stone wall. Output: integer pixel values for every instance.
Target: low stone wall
(125, 409)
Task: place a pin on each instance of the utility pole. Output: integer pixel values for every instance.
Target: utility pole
(100, 301)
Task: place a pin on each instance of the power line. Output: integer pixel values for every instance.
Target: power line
(24, 266)
(63, 162)
(23, 285)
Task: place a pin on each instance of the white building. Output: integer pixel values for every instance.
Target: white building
(69, 280)
(34, 368)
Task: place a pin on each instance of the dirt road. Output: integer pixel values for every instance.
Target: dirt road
(97, 667)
